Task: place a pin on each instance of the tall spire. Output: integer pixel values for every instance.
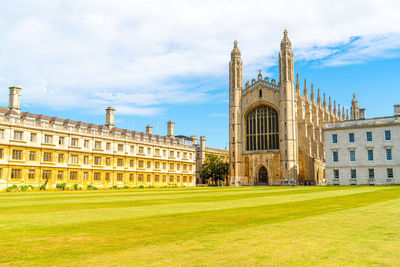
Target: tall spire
(324, 103)
(330, 104)
(347, 114)
(235, 51)
(334, 107)
(318, 97)
(339, 112)
(312, 93)
(343, 115)
(285, 43)
(354, 110)
(297, 83)
(305, 88)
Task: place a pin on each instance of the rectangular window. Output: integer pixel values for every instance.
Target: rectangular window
(131, 163)
(97, 160)
(61, 140)
(369, 136)
(73, 175)
(157, 152)
(96, 176)
(120, 162)
(388, 136)
(85, 160)
(48, 139)
(120, 147)
(47, 156)
(389, 172)
(178, 154)
(1, 133)
(171, 153)
(184, 155)
(141, 150)
(108, 146)
(164, 166)
(74, 159)
(148, 178)
(171, 166)
(351, 137)
(131, 177)
(371, 173)
(46, 175)
(17, 135)
(140, 177)
(108, 161)
(388, 154)
(140, 164)
(190, 155)
(33, 137)
(86, 143)
(119, 177)
(164, 178)
(60, 175)
(148, 164)
(32, 155)
(184, 179)
(335, 156)
(85, 176)
(353, 174)
(1, 153)
(97, 144)
(171, 179)
(334, 138)
(74, 142)
(157, 165)
(352, 155)
(61, 158)
(107, 177)
(190, 168)
(164, 153)
(17, 154)
(178, 179)
(178, 167)
(370, 155)
(15, 174)
(31, 174)
(132, 149)
(336, 174)
(184, 167)
(149, 151)
(156, 178)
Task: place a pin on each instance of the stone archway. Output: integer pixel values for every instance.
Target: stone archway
(263, 176)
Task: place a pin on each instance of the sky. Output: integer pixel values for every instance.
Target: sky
(156, 61)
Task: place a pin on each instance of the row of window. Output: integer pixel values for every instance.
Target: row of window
(388, 137)
(97, 176)
(48, 139)
(370, 155)
(371, 173)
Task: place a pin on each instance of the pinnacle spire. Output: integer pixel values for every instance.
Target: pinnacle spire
(297, 83)
(324, 103)
(235, 51)
(319, 97)
(312, 93)
(305, 88)
(285, 43)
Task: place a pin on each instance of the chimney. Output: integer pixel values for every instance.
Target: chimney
(194, 139)
(203, 142)
(396, 110)
(14, 99)
(362, 113)
(170, 129)
(110, 117)
(149, 129)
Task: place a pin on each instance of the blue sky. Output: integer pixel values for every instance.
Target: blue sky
(156, 61)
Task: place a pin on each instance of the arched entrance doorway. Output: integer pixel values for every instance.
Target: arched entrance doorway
(263, 176)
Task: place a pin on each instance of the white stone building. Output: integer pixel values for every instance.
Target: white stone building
(363, 151)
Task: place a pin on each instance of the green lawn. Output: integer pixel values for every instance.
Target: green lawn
(337, 226)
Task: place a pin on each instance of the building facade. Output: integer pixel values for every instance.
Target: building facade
(36, 148)
(275, 131)
(363, 151)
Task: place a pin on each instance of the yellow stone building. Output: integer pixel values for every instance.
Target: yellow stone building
(275, 131)
(34, 148)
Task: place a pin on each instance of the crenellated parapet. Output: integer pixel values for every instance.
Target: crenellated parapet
(266, 83)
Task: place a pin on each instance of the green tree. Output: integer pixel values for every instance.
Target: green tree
(213, 168)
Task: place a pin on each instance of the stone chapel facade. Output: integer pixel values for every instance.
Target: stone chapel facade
(275, 132)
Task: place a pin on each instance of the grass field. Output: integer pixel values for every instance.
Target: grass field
(335, 226)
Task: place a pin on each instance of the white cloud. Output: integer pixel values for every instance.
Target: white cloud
(138, 55)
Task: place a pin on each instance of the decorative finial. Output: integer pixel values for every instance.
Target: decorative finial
(259, 75)
(285, 33)
(354, 95)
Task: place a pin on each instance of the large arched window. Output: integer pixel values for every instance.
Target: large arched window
(262, 132)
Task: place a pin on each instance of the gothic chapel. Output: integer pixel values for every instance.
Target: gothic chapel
(275, 131)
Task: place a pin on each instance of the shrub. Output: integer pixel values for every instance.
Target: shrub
(91, 187)
(125, 187)
(76, 186)
(61, 186)
(23, 188)
(141, 186)
(115, 187)
(42, 187)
